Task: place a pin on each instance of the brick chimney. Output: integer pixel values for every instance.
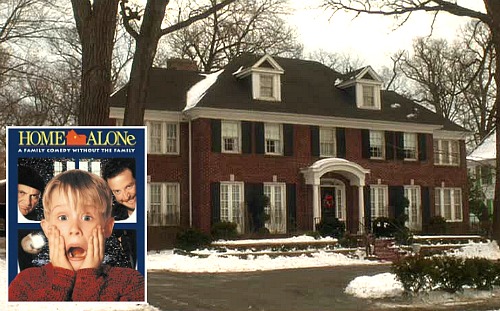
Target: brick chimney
(182, 64)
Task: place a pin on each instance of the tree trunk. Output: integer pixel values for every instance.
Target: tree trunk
(96, 26)
(145, 51)
(493, 11)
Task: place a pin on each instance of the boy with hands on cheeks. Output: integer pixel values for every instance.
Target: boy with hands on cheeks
(77, 208)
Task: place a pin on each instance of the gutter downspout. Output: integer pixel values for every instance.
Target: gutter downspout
(190, 177)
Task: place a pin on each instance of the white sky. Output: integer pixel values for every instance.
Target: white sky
(377, 286)
(373, 38)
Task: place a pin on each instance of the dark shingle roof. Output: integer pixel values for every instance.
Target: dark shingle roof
(307, 87)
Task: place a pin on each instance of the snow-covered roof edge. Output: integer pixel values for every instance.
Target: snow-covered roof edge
(198, 91)
(486, 150)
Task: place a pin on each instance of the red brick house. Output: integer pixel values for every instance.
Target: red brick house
(309, 138)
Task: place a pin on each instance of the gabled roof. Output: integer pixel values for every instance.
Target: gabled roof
(307, 88)
(361, 74)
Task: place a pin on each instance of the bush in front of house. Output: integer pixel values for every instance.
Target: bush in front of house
(437, 225)
(331, 226)
(224, 230)
(450, 274)
(191, 239)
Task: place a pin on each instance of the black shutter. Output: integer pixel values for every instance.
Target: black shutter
(259, 137)
(422, 147)
(389, 145)
(400, 149)
(365, 144)
(216, 135)
(426, 205)
(340, 137)
(215, 201)
(288, 139)
(315, 141)
(291, 203)
(246, 137)
(368, 208)
(396, 200)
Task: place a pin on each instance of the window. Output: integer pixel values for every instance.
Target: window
(485, 175)
(410, 146)
(368, 96)
(446, 152)
(92, 166)
(376, 145)
(231, 203)
(414, 221)
(164, 207)
(273, 138)
(378, 201)
(276, 208)
(448, 202)
(327, 146)
(266, 86)
(231, 138)
(163, 137)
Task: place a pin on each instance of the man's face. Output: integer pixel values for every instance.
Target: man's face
(75, 225)
(123, 187)
(27, 198)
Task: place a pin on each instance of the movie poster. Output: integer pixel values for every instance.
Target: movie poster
(76, 213)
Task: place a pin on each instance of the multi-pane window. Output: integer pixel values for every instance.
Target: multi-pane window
(412, 193)
(266, 86)
(485, 175)
(368, 96)
(230, 133)
(164, 206)
(377, 144)
(231, 203)
(446, 152)
(276, 208)
(273, 138)
(378, 201)
(327, 142)
(90, 166)
(163, 137)
(448, 202)
(410, 146)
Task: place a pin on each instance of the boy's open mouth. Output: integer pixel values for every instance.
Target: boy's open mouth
(76, 252)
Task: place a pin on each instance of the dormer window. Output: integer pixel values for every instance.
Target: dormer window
(368, 96)
(265, 77)
(266, 86)
(366, 86)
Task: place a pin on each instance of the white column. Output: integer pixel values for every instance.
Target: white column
(361, 201)
(316, 207)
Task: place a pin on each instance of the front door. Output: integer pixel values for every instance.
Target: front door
(333, 199)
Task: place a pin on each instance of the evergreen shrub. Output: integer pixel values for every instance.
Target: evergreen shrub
(191, 239)
(224, 230)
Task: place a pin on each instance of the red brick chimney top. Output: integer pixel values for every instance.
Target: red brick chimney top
(182, 64)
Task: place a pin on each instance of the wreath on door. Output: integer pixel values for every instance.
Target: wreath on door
(328, 201)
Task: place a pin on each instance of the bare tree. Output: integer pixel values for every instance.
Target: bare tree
(255, 26)
(340, 62)
(490, 16)
(147, 37)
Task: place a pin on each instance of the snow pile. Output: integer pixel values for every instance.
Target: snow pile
(197, 91)
(294, 239)
(488, 250)
(215, 263)
(378, 286)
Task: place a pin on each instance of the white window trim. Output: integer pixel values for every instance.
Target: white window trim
(334, 149)
(163, 202)
(417, 204)
(270, 224)
(281, 141)
(276, 85)
(377, 208)
(452, 203)
(241, 223)
(238, 124)
(440, 154)
(163, 139)
(415, 136)
(383, 144)
(360, 100)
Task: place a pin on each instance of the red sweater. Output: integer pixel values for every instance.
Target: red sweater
(49, 283)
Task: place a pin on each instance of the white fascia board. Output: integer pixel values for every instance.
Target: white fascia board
(151, 115)
(271, 60)
(453, 135)
(274, 117)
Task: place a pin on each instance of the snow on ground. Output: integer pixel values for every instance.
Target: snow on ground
(377, 286)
